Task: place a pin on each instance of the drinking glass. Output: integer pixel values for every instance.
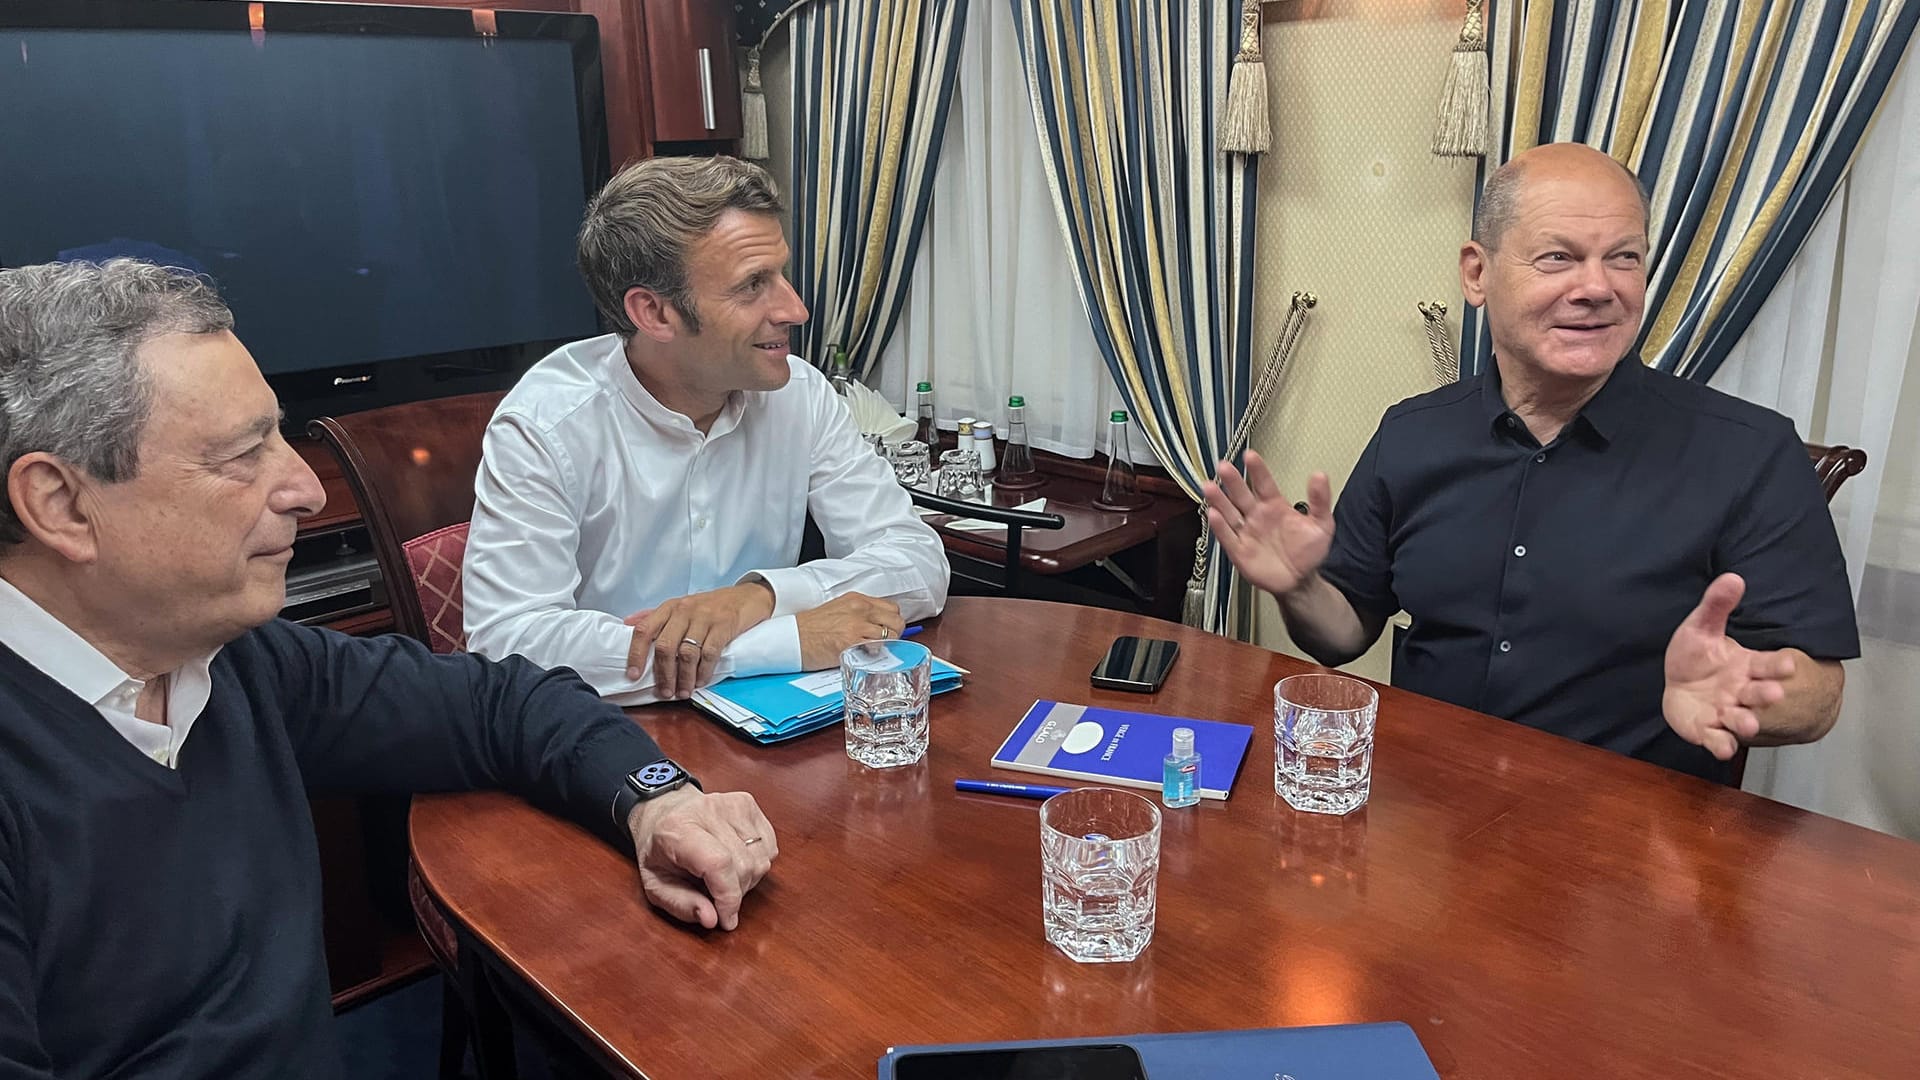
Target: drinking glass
(959, 475)
(1323, 742)
(909, 460)
(886, 685)
(1099, 861)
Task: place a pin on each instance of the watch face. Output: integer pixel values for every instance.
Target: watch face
(656, 775)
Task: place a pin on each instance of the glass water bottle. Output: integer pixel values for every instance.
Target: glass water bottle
(1016, 467)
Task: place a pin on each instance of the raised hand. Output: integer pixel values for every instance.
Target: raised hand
(1275, 546)
(1714, 683)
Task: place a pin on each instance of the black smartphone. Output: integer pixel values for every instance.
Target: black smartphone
(1135, 663)
(1101, 1062)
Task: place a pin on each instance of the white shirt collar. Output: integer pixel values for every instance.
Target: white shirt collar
(37, 637)
(50, 645)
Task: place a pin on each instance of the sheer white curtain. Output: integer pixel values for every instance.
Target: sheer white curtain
(1835, 348)
(992, 309)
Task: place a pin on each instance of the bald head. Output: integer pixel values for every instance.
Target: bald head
(1575, 163)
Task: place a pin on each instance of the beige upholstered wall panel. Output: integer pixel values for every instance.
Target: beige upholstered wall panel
(1354, 209)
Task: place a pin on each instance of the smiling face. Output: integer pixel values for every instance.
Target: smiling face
(1564, 284)
(742, 311)
(736, 278)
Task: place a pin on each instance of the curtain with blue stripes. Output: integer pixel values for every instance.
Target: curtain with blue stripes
(872, 85)
(1127, 96)
(1741, 116)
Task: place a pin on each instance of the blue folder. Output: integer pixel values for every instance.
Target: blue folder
(1337, 1052)
(775, 708)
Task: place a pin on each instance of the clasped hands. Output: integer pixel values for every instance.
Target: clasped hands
(686, 636)
(1714, 686)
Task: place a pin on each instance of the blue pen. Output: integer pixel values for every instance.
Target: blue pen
(910, 631)
(1001, 787)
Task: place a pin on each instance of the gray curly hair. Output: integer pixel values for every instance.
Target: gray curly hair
(70, 385)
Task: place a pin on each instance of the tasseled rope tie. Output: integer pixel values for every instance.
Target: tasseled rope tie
(1193, 609)
(1243, 127)
(1446, 362)
(753, 98)
(1462, 128)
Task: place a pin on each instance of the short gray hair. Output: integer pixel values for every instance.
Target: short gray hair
(637, 229)
(70, 384)
(1500, 201)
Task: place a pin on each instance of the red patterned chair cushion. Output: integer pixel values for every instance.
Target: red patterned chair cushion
(436, 560)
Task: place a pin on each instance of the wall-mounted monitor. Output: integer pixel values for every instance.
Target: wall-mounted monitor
(387, 197)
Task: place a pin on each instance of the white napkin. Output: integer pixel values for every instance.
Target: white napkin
(970, 525)
(875, 416)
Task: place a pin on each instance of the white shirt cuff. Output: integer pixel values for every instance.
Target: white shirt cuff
(769, 647)
(794, 590)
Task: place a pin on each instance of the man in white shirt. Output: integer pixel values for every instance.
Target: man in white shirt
(640, 506)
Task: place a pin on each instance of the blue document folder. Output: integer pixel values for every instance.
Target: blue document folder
(1337, 1052)
(1117, 746)
(775, 708)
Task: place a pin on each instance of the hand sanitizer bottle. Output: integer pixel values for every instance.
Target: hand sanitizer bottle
(1180, 778)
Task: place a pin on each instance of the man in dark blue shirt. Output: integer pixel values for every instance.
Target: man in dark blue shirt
(1585, 545)
(160, 729)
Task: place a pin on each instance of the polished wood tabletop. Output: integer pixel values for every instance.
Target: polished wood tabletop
(1532, 907)
(1090, 533)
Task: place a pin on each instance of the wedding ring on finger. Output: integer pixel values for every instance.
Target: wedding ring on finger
(695, 642)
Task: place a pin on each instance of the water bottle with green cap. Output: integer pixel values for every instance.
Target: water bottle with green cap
(1016, 469)
(924, 430)
(1121, 488)
(840, 371)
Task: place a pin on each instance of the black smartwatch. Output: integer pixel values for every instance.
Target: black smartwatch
(649, 782)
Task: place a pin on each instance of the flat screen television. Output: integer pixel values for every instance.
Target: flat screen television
(386, 196)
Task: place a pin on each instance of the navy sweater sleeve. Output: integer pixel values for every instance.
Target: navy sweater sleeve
(386, 715)
(21, 1055)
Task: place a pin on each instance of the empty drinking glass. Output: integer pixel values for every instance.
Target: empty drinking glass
(1099, 861)
(910, 463)
(1323, 742)
(886, 685)
(959, 475)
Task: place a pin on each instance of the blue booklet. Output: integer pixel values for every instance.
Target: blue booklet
(1346, 1051)
(775, 708)
(1115, 746)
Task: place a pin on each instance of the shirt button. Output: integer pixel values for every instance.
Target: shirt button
(1511, 422)
(1506, 646)
(699, 523)
(1520, 551)
(1540, 458)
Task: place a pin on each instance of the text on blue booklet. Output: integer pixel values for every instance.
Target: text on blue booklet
(1117, 746)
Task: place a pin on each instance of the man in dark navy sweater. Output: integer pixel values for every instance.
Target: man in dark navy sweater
(160, 729)
(1585, 545)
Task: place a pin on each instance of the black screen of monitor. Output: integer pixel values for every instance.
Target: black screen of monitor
(357, 198)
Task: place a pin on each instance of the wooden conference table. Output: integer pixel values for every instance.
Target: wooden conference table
(1532, 907)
